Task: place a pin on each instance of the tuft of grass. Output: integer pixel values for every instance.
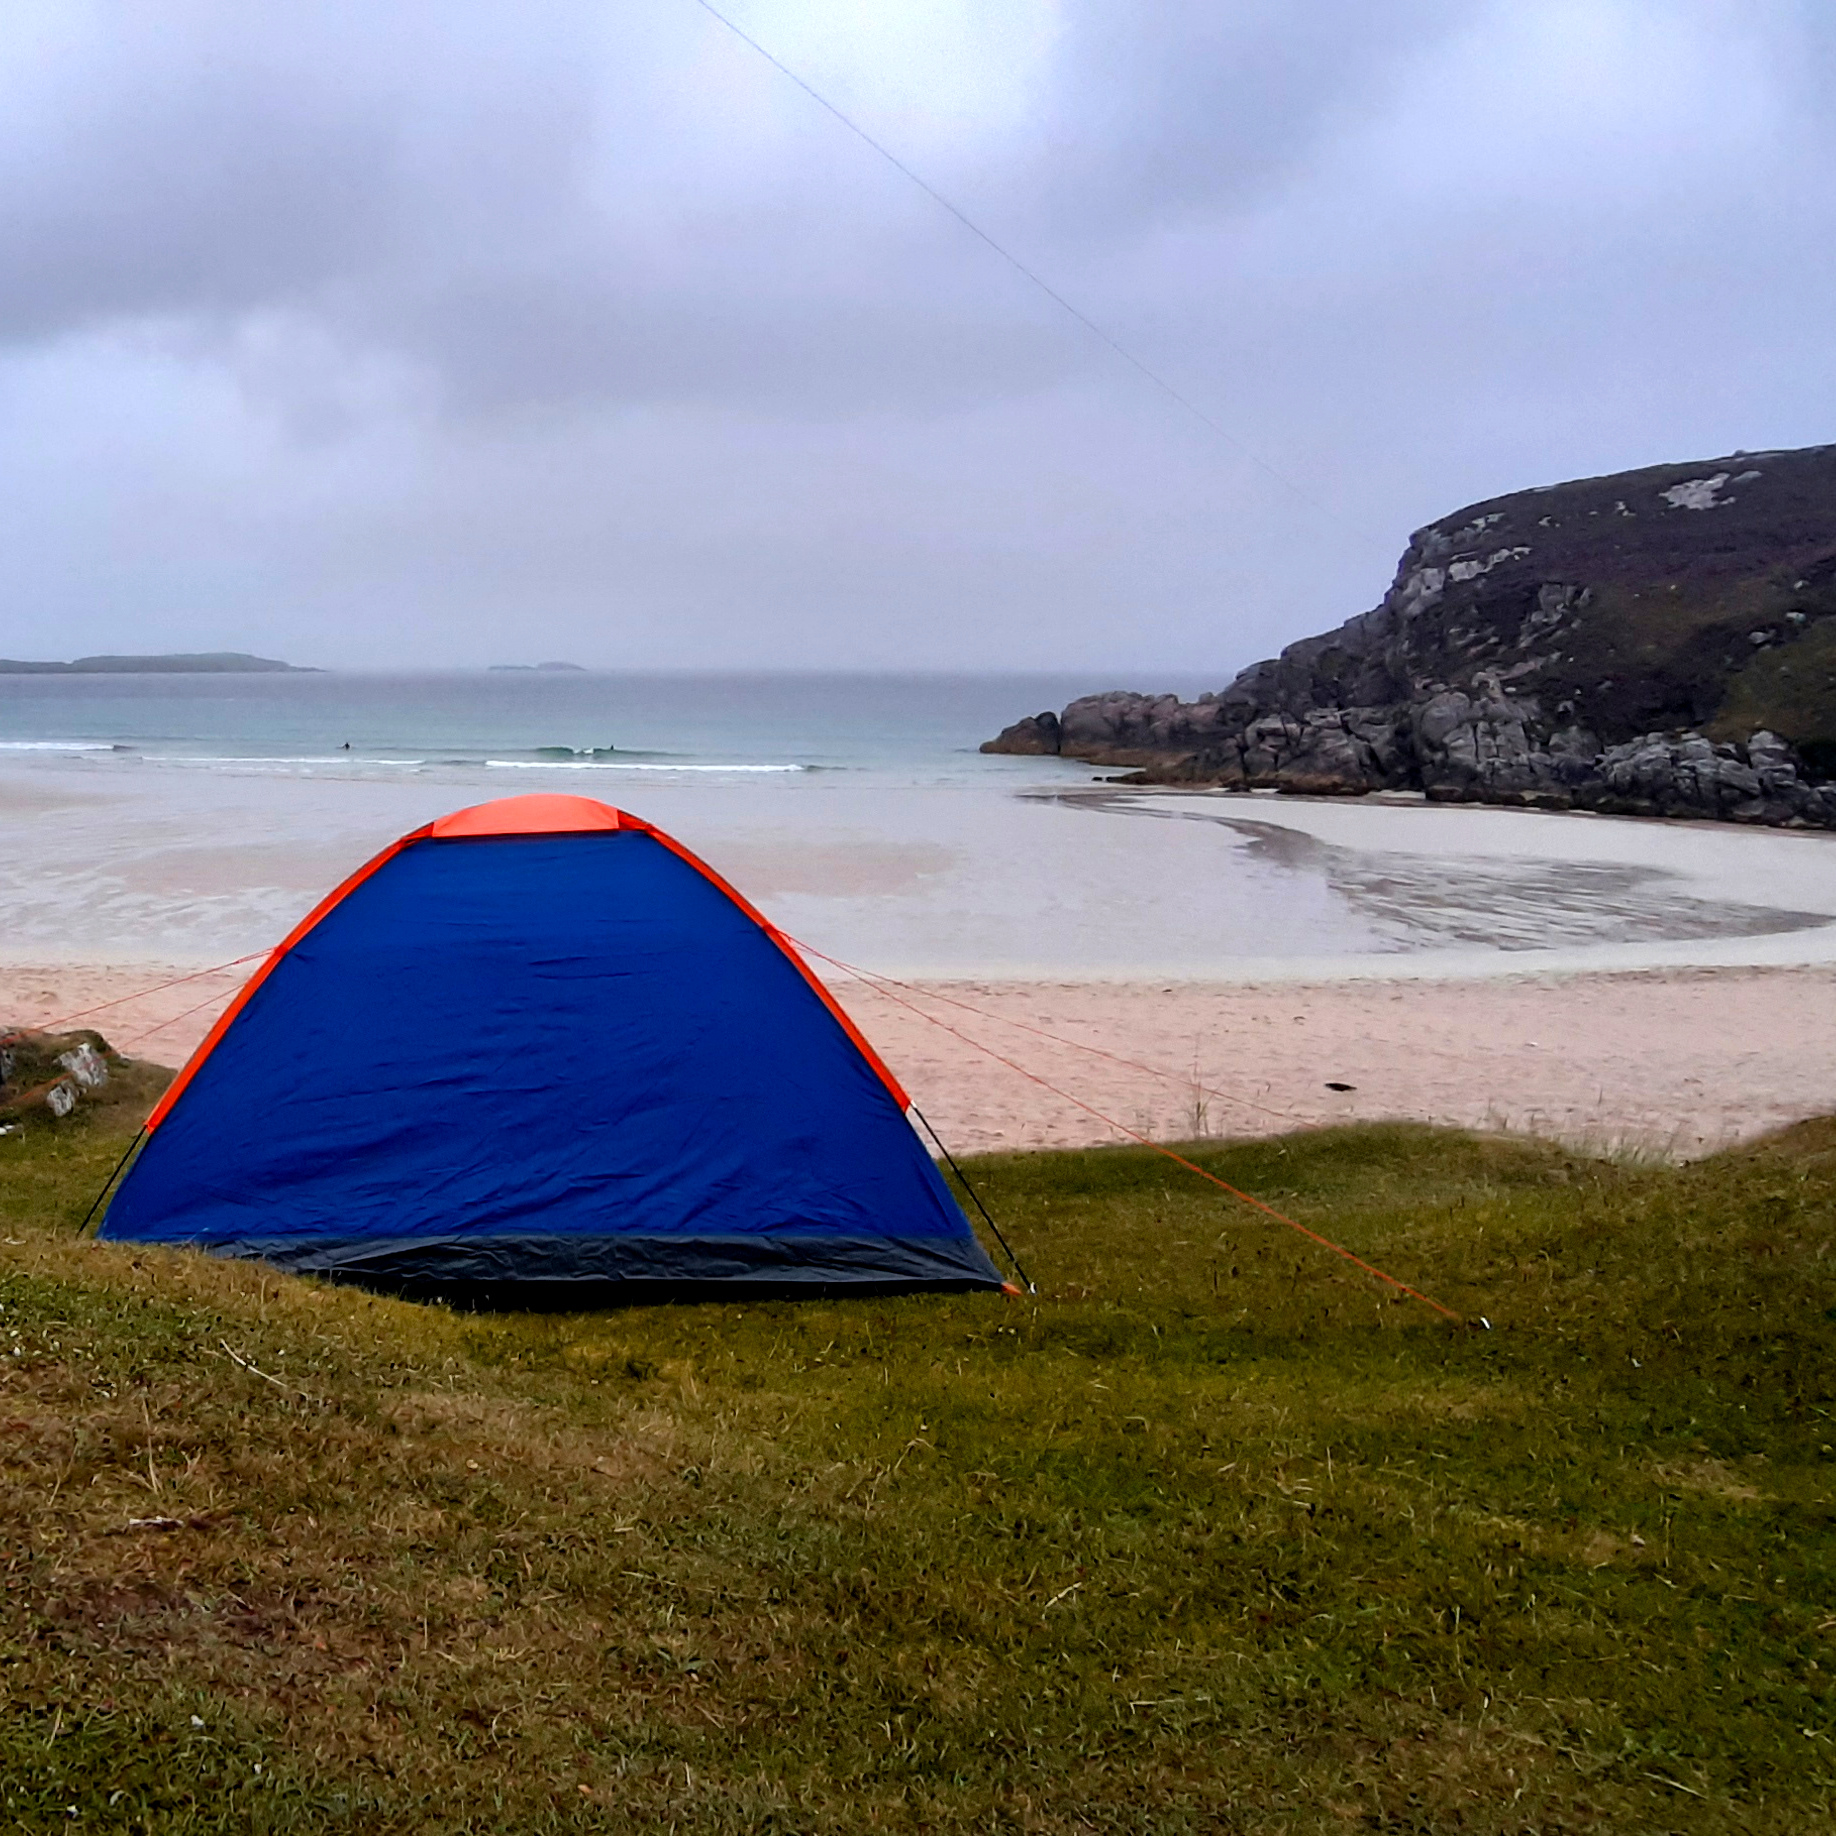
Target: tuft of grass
(1210, 1534)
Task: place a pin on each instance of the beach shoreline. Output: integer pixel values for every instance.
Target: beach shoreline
(1670, 1062)
(1654, 986)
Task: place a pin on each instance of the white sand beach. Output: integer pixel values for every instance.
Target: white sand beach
(1664, 987)
(1673, 1062)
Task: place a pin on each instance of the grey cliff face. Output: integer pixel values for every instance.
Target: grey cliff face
(1660, 642)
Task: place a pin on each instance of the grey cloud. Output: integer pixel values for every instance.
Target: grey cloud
(212, 162)
(1165, 107)
(147, 176)
(209, 158)
(388, 321)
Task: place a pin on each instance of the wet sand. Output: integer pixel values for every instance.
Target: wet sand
(1673, 1062)
(103, 862)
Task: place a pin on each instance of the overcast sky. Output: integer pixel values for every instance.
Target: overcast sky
(379, 333)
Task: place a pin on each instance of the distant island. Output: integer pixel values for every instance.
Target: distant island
(1654, 643)
(580, 668)
(173, 663)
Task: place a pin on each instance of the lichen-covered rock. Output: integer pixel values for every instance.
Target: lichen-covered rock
(1688, 775)
(1661, 641)
(52, 1072)
(1325, 751)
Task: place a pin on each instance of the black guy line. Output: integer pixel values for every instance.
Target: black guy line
(139, 1136)
(987, 1216)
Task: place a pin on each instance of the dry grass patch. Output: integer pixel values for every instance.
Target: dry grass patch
(1714, 1478)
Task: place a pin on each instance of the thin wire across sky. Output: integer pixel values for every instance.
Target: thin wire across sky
(1036, 279)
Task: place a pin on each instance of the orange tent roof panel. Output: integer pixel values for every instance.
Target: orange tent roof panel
(541, 814)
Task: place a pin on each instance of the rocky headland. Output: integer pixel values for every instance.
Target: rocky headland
(1659, 642)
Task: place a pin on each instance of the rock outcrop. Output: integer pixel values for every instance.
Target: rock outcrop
(1660, 642)
(47, 1077)
(52, 1072)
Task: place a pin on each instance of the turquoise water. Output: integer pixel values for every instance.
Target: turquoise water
(594, 724)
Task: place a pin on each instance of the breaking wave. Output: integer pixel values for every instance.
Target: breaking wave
(58, 745)
(631, 764)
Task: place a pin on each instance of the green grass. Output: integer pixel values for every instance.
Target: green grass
(1209, 1535)
(1792, 691)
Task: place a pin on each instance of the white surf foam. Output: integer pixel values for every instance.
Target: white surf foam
(329, 758)
(622, 765)
(54, 745)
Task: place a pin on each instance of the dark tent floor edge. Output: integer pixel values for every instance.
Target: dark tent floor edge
(540, 1269)
(587, 1295)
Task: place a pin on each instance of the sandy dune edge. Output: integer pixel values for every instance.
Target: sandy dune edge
(1676, 1062)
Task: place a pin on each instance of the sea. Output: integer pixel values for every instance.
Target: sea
(193, 818)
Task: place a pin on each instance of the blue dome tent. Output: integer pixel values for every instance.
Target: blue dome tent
(538, 1048)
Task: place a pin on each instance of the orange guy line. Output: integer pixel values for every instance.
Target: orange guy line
(1402, 1287)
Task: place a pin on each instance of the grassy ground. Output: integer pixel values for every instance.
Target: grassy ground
(1210, 1535)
